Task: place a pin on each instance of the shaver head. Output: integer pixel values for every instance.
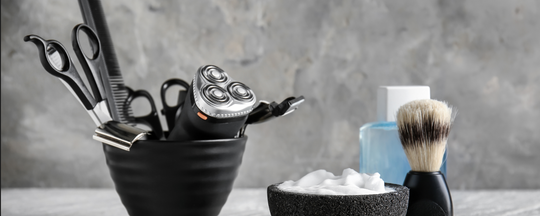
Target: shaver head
(217, 95)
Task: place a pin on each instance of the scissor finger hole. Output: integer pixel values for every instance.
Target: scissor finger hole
(141, 106)
(172, 95)
(88, 42)
(57, 57)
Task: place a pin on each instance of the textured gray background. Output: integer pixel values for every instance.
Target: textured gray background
(483, 57)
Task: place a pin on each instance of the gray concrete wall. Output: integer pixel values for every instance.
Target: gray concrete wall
(483, 57)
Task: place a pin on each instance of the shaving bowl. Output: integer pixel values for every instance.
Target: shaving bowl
(285, 203)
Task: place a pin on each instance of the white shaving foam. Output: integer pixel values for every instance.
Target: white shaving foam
(325, 183)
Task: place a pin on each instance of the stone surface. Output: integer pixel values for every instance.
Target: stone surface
(241, 202)
(483, 57)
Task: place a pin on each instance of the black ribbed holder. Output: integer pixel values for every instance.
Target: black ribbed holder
(175, 178)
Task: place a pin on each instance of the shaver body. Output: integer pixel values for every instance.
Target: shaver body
(216, 107)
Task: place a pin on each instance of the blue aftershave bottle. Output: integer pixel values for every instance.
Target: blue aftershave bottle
(380, 147)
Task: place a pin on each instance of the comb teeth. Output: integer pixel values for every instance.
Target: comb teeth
(120, 95)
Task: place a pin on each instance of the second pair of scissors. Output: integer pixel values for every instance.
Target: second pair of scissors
(152, 119)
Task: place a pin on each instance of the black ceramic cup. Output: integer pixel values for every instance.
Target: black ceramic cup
(175, 178)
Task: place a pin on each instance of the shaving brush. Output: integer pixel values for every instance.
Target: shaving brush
(423, 127)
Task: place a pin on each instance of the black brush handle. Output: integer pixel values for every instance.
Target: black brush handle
(94, 17)
(429, 194)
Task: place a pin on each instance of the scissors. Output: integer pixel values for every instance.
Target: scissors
(152, 119)
(56, 60)
(172, 112)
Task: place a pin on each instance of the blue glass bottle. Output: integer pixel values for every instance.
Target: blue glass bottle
(381, 151)
(380, 147)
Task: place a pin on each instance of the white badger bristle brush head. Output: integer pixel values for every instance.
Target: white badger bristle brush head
(423, 127)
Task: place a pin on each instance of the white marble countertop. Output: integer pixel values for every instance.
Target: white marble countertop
(241, 202)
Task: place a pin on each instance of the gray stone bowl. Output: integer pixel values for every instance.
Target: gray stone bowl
(283, 203)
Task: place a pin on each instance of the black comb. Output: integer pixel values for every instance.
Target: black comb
(113, 81)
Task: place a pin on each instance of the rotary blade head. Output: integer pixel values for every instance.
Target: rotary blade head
(219, 96)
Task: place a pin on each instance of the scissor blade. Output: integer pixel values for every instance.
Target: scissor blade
(99, 113)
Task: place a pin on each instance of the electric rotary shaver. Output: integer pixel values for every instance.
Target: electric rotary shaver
(216, 107)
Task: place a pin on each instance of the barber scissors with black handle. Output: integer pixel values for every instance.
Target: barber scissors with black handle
(151, 119)
(55, 59)
(170, 112)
